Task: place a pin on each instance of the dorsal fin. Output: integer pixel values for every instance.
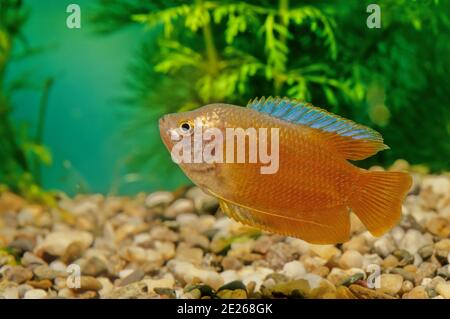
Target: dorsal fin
(352, 140)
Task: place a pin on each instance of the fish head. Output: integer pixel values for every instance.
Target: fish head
(175, 126)
(183, 133)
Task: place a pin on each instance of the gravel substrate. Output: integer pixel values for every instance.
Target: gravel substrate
(175, 245)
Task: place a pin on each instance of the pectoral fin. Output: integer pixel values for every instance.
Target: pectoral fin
(325, 226)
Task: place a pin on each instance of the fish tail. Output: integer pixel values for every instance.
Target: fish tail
(378, 202)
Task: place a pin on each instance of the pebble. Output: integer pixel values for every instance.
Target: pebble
(390, 283)
(385, 245)
(357, 243)
(435, 281)
(443, 289)
(232, 294)
(10, 293)
(262, 245)
(351, 259)
(107, 286)
(159, 198)
(439, 226)
(167, 281)
(29, 259)
(337, 276)
(426, 251)
(18, 274)
(44, 272)
(407, 286)
(22, 245)
(229, 262)
(66, 293)
(343, 292)
(180, 206)
(366, 293)
(425, 270)
(294, 269)
(197, 240)
(390, 262)
(353, 279)
(444, 272)
(10, 202)
(40, 284)
(22, 289)
(371, 259)
(133, 277)
(414, 240)
(174, 245)
(443, 244)
(404, 257)
(56, 243)
(35, 294)
(135, 290)
(58, 267)
(417, 292)
(187, 272)
(95, 266)
(203, 202)
(162, 233)
(397, 233)
(326, 252)
(89, 283)
(405, 274)
(190, 255)
(73, 251)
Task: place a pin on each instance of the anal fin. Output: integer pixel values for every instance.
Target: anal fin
(324, 226)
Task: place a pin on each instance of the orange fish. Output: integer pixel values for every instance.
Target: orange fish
(314, 188)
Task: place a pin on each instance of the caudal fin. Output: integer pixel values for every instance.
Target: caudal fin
(378, 203)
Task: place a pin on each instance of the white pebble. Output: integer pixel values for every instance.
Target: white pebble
(384, 245)
(351, 259)
(414, 240)
(158, 198)
(35, 294)
(294, 269)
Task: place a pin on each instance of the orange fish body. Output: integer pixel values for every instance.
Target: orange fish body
(315, 187)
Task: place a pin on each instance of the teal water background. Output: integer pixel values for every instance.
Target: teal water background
(83, 127)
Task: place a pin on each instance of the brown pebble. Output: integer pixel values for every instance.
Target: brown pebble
(18, 274)
(40, 284)
(343, 292)
(135, 276)
(73, 252)
(89, 283)
(88, 295)
(418, 292)
(231, 263)
(366, 293)
(390, 262)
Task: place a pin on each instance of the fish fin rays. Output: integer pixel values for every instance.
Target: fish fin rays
(352, 140)
(378, 203)
(324, 226)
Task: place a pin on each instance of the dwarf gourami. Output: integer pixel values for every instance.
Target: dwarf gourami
(315, 187)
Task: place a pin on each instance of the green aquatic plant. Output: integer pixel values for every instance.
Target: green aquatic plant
(205, 51)
(393, 79)
(21, 154)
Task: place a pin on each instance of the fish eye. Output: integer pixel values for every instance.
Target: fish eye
(186, 126)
